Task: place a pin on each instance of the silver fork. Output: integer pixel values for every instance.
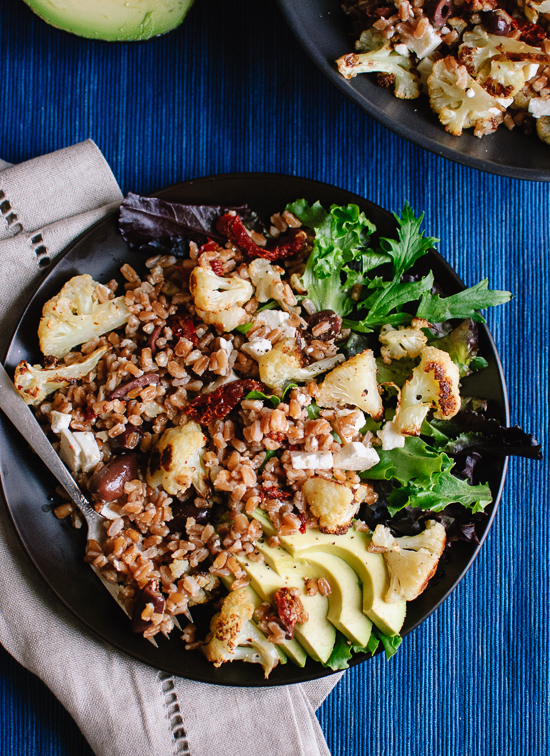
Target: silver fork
(25, 422)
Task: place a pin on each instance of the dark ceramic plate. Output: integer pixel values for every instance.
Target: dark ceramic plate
(57, 549)
(326, 33)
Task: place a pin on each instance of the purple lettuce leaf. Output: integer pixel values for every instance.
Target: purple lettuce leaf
(152, 222)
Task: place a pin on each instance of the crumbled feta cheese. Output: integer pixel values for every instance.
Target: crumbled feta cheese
(390, 438)
(359, 421)
(320, 460)
(356, 456)
(539, 106)
(276, 319)
(505, 101)
(470, 93)
(402, 49)
(89, 450)
(226, 345)
(257, 347)
(60, 421)
(70, 451)
(531, 69)
(426, 44)
(179, 567)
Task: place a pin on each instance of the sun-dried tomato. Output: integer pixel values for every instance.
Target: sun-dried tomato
(531, 34)
(210, 246)
(89, 413)
(290, 609)
(303, 522)
(182, 326)
(272, 492)
(287, 245)
(217, 267)
(219, 403)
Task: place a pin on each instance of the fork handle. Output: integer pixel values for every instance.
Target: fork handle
(29, 427)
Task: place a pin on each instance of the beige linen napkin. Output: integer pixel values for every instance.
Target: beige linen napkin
(123, 707)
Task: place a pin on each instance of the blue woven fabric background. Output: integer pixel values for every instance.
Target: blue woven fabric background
(231, 90)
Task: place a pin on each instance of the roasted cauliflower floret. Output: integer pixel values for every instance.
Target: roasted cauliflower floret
(234, 637)
(462, 107)
(502, 78)
(411, 560)
(332, 503)
(479, 48)
(218, 299)
(381, 58)
(79, 312)
(176, 461)
(434, 383)
(34, 383)
(263, 275)
(402, 342)
(353, 382)
(284, 363)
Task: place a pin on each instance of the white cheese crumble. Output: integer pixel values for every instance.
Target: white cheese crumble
(390, 438)
(539, 106)
(257, 347)
(356, 456)
(60, 421)
(320, 460)
(79, 450)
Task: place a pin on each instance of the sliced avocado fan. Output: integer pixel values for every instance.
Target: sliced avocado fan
(113, 20)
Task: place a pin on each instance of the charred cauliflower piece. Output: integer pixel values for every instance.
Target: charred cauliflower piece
(479, 48)
(79, 312)
(176, 461)
(218, 299)
(234, 637)
(263, 275)
(502, 78)
(332, 503)
(34, 383)
(462, 107)
(411, 560)
(354, 382)
(380, 57)
(402, 342)
(434, 383)
(284, 363)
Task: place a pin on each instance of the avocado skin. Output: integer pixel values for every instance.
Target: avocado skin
(135, 27)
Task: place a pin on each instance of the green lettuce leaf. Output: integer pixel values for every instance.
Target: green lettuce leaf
(465, 304)
(411, 243)
(443, 489)
(414, 461)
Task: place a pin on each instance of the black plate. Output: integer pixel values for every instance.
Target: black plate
(57, 549)
(326, 33)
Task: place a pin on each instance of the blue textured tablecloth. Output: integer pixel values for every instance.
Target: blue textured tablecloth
(231, 90)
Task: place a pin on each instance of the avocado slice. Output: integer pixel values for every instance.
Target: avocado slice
(345, 602)
(317, 635)
(370, 568)
(112, 20)
(288, 648)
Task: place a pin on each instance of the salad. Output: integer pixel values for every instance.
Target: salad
(482, 63)
(272, 420)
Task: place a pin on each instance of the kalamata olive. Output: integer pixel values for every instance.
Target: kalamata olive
(438, 11)
(144, 380)
(108, 483)
(148, 595)
(119, 443)
(325, 325)
(152, 340)
(182, 510)
(497, 22)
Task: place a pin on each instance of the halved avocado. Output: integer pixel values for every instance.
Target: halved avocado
(345, 602)
(370, 568)
(113, 20)
(317, 635)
